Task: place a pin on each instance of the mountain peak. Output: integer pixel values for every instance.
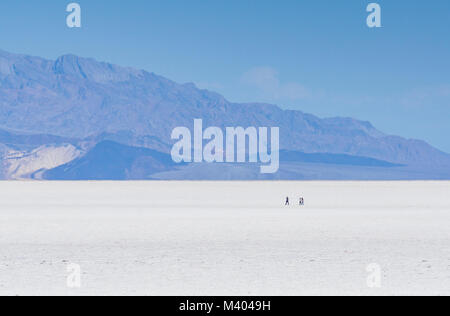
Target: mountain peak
(93, 70)
(69, 65)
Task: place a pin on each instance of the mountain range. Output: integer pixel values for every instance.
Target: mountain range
(79, 119)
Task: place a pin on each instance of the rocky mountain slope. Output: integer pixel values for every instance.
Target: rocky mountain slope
(84, 101)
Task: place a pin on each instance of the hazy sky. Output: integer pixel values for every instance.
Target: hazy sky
(316, 56)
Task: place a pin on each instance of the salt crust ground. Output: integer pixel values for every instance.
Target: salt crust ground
(224, 238)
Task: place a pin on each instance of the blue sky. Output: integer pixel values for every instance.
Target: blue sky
(316, 56)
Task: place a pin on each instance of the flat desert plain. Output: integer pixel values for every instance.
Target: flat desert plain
(224, 238)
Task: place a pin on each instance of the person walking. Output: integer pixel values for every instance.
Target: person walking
(287, 201)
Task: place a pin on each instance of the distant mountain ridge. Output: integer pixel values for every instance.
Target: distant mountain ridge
(337, 159)
(80, 100)
(112, 161)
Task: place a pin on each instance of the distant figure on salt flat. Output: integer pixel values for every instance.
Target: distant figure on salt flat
(302, 201)
(287, 201)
